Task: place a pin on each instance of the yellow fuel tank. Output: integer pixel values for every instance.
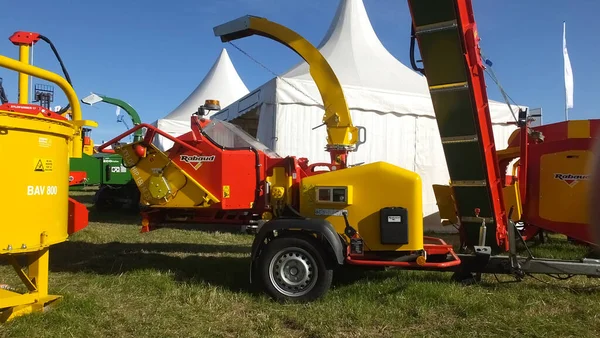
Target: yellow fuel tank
(35, 171)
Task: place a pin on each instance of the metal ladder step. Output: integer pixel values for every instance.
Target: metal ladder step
(460, 139)
(472, 219)
(436, 27)
(449, 87)
(481, 183)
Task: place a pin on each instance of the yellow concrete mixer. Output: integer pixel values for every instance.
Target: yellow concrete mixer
(35, 145)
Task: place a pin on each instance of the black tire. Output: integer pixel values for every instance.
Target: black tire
(103, 199)
(300, 254)
(131, 193)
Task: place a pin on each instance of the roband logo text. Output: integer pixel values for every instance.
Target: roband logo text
(196, 161)
(571, 179)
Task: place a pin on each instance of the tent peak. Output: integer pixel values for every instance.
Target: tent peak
(222, 82)
(224, 53)
(358, 57)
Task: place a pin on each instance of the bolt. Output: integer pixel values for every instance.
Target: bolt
(23, 246)
(9, 247)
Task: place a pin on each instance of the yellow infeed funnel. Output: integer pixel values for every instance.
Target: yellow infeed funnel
(162, 183)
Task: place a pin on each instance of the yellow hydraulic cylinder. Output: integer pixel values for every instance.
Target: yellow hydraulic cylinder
(23, 77)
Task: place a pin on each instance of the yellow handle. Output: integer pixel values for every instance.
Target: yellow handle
(515, 167)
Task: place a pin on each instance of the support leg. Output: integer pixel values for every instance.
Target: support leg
(13, 304)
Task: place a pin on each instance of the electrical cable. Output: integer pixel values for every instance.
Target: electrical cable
(578, 289)
(494, 78)
(277, 76)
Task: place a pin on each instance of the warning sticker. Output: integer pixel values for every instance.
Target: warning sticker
(42, 165)
(44, 142)
(226, 192)
(329, 212)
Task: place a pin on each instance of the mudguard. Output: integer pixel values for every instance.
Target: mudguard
(298, 224)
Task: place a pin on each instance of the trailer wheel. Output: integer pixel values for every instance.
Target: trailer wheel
(294, 269)
(103, 199)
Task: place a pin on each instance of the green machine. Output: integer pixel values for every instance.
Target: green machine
(105, 170)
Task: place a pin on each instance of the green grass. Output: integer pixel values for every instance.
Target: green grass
(117, 282)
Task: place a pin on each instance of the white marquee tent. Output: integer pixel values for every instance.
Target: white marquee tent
(389, 99)
(222, 83)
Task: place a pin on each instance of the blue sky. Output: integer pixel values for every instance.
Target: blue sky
(152, 54)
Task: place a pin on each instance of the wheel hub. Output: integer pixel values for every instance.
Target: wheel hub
(293, 272)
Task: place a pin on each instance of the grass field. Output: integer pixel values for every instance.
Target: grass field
(117, 282)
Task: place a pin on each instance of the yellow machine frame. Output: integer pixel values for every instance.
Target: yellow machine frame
(13, 304)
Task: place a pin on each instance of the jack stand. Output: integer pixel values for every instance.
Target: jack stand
(515, 266)
(465, 276)
(13, 304)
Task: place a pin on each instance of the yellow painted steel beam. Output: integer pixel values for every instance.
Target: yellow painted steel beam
(337, 118)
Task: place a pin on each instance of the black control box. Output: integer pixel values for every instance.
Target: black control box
(393, 225)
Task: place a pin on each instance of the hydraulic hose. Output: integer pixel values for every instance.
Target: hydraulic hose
(62, 66)
(3, 98)
(413, 63)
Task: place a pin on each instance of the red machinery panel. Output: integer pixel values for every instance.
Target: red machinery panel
(232, 174)
(558, 175)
